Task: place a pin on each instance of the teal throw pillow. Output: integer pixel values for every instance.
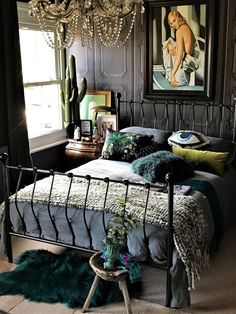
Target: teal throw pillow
(154, 167)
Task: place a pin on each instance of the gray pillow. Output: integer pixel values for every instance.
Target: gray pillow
(159, 136)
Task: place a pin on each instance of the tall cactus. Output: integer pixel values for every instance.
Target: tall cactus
(71, 97)
(81, 93)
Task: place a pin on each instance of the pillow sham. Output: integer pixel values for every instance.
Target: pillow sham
(159, 136)
(154, 167)
(124, 146)
(204, 160)
(188, 139)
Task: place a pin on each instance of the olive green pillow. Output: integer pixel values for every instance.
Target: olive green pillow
(203, 159)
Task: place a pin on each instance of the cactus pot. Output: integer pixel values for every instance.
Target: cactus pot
(69, 128)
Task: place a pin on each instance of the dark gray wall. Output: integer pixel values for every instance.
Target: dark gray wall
(51, 158)
(122, 69)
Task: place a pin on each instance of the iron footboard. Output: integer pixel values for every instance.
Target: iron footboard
(37, 173)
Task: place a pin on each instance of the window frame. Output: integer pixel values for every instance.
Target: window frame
(56, 137)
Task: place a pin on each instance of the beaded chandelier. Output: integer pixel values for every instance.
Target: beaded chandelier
(112, 19)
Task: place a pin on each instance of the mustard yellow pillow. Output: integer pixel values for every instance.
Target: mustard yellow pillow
(203, 159)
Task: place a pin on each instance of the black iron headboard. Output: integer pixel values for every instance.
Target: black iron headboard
(212, 119)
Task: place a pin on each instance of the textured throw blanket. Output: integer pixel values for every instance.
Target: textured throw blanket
(190, 228)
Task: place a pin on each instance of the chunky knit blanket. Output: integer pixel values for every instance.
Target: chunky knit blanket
(190, 228)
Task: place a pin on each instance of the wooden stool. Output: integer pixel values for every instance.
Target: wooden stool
(109, 275)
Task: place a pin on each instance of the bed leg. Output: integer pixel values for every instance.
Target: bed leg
(7, 227)
(170, 245)
(8, 246)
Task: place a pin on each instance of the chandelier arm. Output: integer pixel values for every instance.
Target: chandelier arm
(115, 12)
(53, 11)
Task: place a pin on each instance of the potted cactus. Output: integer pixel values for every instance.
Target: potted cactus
(71, 97)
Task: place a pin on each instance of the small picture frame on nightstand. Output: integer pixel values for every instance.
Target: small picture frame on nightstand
(86, 128)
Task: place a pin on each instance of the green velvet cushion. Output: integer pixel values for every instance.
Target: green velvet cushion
(126, 146)
(203, 160)
(154, 167)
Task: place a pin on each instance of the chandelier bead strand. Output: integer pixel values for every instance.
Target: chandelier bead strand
(112, 19)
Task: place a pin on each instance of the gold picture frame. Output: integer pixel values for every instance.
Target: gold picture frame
(94, 103)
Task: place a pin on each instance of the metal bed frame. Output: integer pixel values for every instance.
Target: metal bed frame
(6, 170)
(212, 119)
(222, 116)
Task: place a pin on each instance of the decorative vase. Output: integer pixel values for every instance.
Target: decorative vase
(69, 128)
(111, 254)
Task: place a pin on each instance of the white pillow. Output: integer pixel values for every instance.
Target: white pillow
(188, 139)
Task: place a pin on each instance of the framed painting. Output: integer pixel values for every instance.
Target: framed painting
(94, 103)
(179, 49)
(107, 121)
(86, 128)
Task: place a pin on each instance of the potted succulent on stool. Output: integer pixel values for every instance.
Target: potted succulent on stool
(119, 227)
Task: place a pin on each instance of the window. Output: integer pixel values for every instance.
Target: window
(42, 69)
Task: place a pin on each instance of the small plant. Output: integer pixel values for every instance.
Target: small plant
(119, 227)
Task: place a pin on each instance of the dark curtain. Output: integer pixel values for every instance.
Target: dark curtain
(12, 104)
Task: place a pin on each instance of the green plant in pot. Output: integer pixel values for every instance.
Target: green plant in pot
(118, 229)
(71, 97)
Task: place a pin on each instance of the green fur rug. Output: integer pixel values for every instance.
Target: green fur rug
(43, 276)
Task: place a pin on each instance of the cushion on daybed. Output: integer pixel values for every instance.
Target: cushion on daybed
(188, 139)
(127, 146)
(154, 167)
(195, 140)
(159, 136)
(204, 160)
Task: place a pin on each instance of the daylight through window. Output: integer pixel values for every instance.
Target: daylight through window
(42, 71)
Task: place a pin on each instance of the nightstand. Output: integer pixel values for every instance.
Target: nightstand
(82, 152)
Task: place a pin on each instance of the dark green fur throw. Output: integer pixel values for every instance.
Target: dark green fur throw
(155, 166)
(43, 276)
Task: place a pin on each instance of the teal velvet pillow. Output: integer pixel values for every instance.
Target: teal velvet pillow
(124, 146)
(154, 167)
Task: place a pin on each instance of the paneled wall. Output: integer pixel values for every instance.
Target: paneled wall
(122, 69)
(117, 69)
(230, 52)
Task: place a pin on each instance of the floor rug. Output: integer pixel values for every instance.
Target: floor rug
(43, 276)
